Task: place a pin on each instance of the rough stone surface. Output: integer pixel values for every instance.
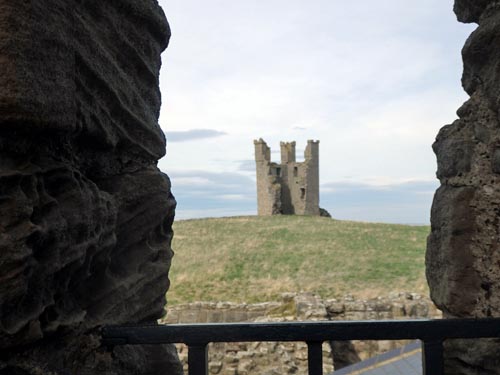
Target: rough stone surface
(291, 357)
(86, 218)
(289, 188)
(324, 213)
(463, 254)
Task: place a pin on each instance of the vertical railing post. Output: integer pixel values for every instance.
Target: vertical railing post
(432, 358)
(198, 359)
(315, 357)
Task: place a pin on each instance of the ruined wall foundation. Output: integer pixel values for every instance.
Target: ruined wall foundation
(291, 357)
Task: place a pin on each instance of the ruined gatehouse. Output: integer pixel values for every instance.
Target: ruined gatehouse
(289, 187)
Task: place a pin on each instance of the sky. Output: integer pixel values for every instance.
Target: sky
(373, 81)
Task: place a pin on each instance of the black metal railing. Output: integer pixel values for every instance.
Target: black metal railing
(432, 333)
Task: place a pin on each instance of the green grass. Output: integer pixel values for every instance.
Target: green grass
(252, 259)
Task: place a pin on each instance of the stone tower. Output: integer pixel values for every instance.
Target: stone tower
(289, 187)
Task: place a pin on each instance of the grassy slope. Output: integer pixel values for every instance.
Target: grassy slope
(256, 258)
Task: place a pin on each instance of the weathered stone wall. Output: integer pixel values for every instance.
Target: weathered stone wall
(463, 248)
(291, 357)
(86, 218)
(268, 185)
(289, 187)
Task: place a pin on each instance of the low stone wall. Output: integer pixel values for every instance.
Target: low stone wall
(291, 358)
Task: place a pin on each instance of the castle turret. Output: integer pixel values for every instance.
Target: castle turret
(262, 151)
(310, 194)
(268, 176)
(287, 152)
(312, 151)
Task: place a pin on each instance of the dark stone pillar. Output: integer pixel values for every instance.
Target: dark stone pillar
(463, 254)
(85, 224)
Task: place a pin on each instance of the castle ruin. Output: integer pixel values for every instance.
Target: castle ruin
(288, 188)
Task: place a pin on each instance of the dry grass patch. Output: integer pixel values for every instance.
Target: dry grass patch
(252, 259)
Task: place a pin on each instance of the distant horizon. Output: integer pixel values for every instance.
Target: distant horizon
(332, 218)
(406, 202)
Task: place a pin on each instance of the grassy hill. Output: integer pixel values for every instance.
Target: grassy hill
(251, 259)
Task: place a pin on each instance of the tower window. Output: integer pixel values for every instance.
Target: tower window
(302, 193)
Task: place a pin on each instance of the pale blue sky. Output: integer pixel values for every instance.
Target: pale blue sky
(373, 81)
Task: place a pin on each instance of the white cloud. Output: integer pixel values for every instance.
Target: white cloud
(236, 197)
(192, 134)
(373, 81)
(192, 181)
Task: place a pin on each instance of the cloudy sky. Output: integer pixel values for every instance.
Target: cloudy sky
(372, 80)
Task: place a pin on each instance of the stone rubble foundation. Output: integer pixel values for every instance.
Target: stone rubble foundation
(273, 358)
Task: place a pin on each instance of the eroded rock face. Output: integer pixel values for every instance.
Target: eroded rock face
(463, 254)
(85, 228)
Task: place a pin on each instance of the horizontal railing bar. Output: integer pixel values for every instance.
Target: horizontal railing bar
(192, 334)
